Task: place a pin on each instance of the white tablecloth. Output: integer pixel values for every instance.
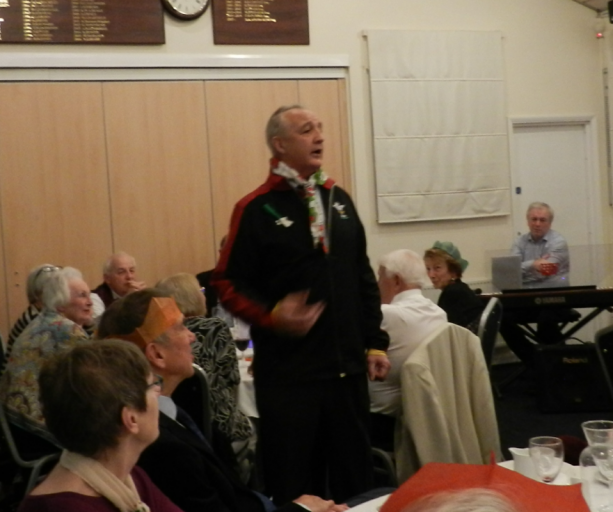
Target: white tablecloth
(246, 391)
(372, 505)
(595, 495)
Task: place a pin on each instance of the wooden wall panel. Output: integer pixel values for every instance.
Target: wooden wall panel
(159, 176)
(53, 182)
(237, 115)
(327, 98)
(90, 168)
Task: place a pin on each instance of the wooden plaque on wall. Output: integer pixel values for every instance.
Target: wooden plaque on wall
(82, 21)
(260, 22)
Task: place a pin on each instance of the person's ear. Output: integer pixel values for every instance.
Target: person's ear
(398, 282)
(155, 355)
(279, 145)
(129, 420)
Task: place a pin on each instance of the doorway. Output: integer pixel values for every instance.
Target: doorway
(555, 161)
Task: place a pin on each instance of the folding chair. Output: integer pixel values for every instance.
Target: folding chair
(35, 466)
(488, 328)
(604, 349)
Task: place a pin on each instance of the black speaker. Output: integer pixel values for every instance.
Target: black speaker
(610, 8)
(571, 379)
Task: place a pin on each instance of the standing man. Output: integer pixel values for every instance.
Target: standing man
(119, 273)
(295, 268)
(545, 264)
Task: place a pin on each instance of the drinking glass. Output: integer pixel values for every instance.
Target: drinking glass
(597, 465)
(547, 454)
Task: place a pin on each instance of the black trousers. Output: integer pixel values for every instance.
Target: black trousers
(547, 330)
(314, 438)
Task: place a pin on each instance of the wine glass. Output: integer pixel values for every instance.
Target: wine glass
(547, 454)
(597, 464)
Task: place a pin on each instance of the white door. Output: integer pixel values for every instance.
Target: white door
(552, 163)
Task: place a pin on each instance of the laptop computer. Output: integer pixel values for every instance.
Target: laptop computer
(506, 272)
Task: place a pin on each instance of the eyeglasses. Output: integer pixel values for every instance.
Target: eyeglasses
(158, 380)
(46, 268)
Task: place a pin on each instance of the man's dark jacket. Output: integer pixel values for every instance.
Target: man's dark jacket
(193, 477)
(270, 253)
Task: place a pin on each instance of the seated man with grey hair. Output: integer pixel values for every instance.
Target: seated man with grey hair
(119, 273)
(408, 318)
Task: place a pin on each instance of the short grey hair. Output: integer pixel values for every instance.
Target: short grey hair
(538, 205)
(56, 292)
(185, 289)
(109, 264)
(276, 126)
(36, 281)
(465, 500)
(406, 264)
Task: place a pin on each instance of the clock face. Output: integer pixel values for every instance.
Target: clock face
(186, 9)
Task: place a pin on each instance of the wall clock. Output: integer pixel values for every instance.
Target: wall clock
(186, 9)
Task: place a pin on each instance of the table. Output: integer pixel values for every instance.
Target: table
(595, 497)
(372, 505)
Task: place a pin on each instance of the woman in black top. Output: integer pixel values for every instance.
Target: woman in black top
(445, 267)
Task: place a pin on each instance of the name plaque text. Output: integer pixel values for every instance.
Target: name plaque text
(82, 21)
(260, 22)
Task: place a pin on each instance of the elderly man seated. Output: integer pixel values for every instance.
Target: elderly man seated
(408, 318)
(119, 273)
(182, 462)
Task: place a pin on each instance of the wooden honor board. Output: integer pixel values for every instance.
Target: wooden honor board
(261, 22)
(82, 21)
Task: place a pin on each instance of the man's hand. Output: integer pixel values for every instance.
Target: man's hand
(292, 316)
(134, 286)
(378, 367)
(544, 266)
(316, 504)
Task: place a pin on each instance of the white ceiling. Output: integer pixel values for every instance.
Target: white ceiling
(597, 5)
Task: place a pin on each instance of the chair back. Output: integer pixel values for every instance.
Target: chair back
(448, 410)
(36, 465)
(193, 395)
(604, 349)
(488, 328)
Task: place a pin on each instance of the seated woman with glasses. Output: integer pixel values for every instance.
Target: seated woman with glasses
(34, 289)
(100, 402)
(66, 308)
(445, 266)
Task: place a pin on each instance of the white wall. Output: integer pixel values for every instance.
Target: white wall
(553, 64)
